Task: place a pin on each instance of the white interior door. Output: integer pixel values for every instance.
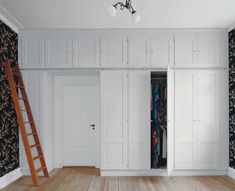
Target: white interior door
(139, 120)
(81, 135)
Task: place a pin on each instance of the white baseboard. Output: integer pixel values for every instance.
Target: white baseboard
(231, 173)
(158, 172)
(199, 173)
(10, 177)
(163, 172)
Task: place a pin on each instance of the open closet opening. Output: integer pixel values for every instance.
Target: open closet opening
(158, 120)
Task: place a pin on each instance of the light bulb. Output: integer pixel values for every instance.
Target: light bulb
(112, 11)
(136, 17)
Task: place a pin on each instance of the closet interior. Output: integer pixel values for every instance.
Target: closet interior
(158, 120)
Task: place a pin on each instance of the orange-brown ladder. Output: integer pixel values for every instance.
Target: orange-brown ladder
(22, 107)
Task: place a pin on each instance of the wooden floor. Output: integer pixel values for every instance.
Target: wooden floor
(82, 179)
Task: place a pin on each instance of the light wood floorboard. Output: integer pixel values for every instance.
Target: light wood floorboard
(88, 179)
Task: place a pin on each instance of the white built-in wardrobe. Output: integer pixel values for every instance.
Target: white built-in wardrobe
(196, 66)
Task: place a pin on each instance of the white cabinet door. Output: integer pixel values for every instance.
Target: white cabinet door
(58, 52)
(114, 119)
(32, 52)
(208, 51)
(162, 51)
(185, 51)
(33, 83)
(114, 52)
(208, 120)
(139, 120)
(86, 52)
(139, 52)
(170, 119)
(184, 119)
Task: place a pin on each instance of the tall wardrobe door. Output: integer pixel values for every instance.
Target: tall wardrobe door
(208, 119)
(139, 119)
(114, 119)
(184, 119)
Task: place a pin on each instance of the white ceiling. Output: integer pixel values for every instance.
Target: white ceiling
(93, 13)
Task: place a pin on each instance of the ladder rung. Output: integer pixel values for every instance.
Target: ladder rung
(37, 157)
(21, 87)
(39, 169)
(22, 98)
(28, 122)
(35, 145)
(26, 110)
(31, 134)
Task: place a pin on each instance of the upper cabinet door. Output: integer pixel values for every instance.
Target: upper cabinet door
(58, 52)
(139, 120)
(86, 52)
(114, 52)
(139, 52)
(185, 51)
(208, 51)
(32, 52)
(162, 51)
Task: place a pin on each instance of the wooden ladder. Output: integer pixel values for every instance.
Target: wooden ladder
(22, 107)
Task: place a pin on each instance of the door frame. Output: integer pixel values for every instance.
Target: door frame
(80, 78)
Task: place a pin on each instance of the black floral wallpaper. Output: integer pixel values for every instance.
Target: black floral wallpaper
(9, 137)
(232, 99)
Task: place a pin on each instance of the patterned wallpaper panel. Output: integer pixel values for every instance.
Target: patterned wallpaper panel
(9, 136)
(232, 99)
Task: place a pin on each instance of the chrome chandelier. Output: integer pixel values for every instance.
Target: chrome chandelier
(112, 10)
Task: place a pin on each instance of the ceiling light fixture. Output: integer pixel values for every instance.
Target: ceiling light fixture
(112, 10)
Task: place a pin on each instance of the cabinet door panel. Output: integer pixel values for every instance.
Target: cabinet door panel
(58, 52)
(185, 55)
(139, 119)
(138, 52)
(114, 119)
(86, 52)
(208, 55)
(114, 52)
(208, 119)
(33, 52)
(184, 119)
(162, 52)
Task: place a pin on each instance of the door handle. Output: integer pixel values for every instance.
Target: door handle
(93, 126)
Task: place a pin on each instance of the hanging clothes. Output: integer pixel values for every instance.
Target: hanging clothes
(159, 124)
